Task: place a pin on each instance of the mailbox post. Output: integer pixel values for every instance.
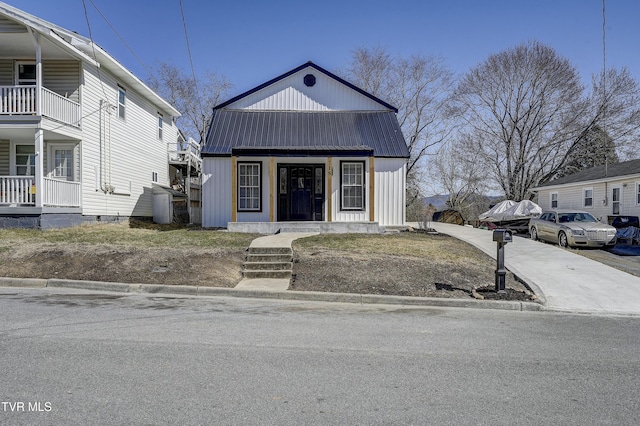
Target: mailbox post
(501, 237)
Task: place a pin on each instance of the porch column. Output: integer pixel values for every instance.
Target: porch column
(329, 188)
(273, 187)
(39, 180)
(36, 42)
(372, 187)
(234, 189)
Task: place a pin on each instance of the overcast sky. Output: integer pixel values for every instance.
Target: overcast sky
(253, 41)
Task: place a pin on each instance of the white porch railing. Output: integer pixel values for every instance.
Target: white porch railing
(61, 193)
(20, 191)
(16, 100)
(60, 108)
(17, 190)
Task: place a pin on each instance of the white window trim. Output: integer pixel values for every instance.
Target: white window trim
(160, 125)
(250, 209)
(122, 105)
(551, 199)
(13, 167)
(584, 197)
(51, 160)
(16, 73)
(637, 194)
(362, 185)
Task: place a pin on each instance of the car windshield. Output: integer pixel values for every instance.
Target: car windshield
(576, 217)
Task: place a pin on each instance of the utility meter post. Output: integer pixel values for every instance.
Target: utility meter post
(501, 237)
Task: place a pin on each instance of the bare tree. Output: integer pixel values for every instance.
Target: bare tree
(461, 178)
(529, 116)
(419, 87)
(195, 100)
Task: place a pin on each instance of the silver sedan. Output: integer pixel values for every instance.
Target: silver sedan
(572, 228)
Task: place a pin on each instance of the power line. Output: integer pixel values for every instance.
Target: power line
(186, 36)
(125, 43)
(93, 48)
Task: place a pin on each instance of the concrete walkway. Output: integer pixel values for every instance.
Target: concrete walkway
(569, 282)
(282, 240)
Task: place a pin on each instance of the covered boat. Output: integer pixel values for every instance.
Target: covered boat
(511, 215)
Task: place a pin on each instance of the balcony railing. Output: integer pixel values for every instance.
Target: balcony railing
(17, 190)
(21, 100)
(20, 191)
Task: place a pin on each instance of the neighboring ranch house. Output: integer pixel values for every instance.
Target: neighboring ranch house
(81, 137)
(604, 191)
(306, 150)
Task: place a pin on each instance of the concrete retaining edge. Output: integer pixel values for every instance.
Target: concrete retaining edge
(311, 296)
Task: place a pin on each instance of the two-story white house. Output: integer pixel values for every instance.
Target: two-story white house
(81, 137)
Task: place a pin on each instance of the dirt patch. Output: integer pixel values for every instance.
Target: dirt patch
(127, 264)
(457, 270)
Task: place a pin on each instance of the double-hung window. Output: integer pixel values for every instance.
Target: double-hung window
(638, 193)
(587, 196)
(25, 160)
(63, 164)
(352, 185)
(159, 126)
(554, 200)
(249, 187)
(122, 98)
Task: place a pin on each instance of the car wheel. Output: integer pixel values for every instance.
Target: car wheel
(534, 234)
(562, 240)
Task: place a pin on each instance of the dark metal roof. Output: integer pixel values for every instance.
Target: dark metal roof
(295, 70)
(302, 132)
(599, 173)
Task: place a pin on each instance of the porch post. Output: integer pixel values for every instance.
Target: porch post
(39, 180)
(234, 189)
(272, 188)
(329, 188)
(372, 187)
(36, 42)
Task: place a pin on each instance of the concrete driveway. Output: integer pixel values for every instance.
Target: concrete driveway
(569, 282)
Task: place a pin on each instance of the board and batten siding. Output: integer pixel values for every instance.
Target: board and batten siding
(571, 197)
(128, 152)
(390, 197)
(291, 94)
(216, 191)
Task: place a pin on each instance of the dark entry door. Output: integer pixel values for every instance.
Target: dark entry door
(300, 192)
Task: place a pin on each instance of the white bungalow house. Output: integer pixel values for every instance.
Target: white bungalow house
(81, 137)
(604, 191)
(306, 150)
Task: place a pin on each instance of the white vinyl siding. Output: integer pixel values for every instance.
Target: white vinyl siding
(4, 157)
(120, 154)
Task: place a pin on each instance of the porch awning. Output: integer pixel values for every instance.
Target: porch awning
(305, 132)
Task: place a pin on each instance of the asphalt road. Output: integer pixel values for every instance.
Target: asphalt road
(75, 357)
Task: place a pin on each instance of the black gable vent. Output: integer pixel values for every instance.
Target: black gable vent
(309, 80)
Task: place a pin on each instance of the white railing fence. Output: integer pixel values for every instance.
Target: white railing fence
(61, 193)
(60, 108)
(21, 190)
(17, 190)
(16, 100)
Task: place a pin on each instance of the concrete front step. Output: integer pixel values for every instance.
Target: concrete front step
(270, 250)
(268, 266)
(269, 258)
(285, 274)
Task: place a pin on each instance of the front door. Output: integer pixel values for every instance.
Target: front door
(300, 192)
